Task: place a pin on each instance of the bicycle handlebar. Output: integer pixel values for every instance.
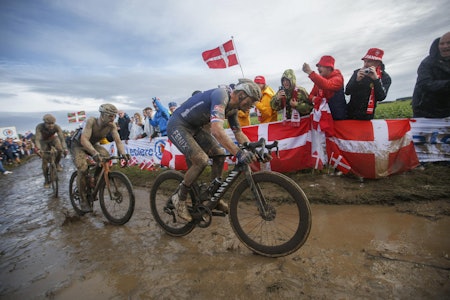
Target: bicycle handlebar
(262, 146)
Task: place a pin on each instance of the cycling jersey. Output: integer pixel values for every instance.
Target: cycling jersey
(207, 107)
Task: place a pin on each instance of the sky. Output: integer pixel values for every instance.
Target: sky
(66, 56)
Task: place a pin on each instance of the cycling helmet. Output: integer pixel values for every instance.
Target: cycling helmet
(48, 118)
(108, 109)
(250, 88)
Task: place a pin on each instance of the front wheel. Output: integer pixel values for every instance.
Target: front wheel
(280, 224)
(117, 201)
(53, 177)
(74, 194)
(163, 211)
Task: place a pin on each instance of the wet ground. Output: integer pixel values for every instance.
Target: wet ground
(353, 252)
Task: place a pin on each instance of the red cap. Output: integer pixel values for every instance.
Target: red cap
(374, 54)
(326, 61)
(260, 79)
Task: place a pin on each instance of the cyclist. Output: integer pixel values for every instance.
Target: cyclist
(87, 141)
(50, 134)
(196, 128)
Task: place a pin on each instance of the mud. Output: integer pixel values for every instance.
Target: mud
(353, 252)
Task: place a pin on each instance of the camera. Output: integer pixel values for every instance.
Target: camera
(367, 71)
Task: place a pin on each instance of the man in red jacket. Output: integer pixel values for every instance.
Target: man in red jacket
(329, 85)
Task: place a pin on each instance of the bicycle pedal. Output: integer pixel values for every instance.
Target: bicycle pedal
(218, 213)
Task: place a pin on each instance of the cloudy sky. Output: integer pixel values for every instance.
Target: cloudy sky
(65, 56)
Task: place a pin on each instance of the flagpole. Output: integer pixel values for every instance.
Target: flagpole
(237, 55)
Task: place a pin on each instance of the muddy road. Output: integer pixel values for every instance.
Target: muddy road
(353, 252)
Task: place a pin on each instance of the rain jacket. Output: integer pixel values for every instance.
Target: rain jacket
(265, 112)
(304, 106)
(431, 98)
(160, 118)
(332, 89)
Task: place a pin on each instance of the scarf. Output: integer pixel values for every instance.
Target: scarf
(371, 102)
(295, 115)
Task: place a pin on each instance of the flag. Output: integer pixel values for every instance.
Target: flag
(221, 57)
(173, 158)
(76, 117)
(376, 148)
(294, 144)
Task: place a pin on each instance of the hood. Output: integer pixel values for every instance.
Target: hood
(289, 74)
(434, 49)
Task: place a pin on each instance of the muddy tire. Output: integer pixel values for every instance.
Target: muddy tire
(118, 202)
(74, 194)
(286, 223)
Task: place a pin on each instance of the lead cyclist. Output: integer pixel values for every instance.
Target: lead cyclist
(196, 128)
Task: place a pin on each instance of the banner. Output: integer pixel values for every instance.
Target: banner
(370, 149)
(8, 132)
(431, 139)
(221, 57)
(76, 117)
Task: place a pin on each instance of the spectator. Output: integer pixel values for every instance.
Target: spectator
(2, 169)
(244, 117)
(264, 111)
(123, 123)
(137, 127)
(172, 107)
(50, 134)
(431, 97)
(292, 99)
(328, 85)
(160, 118)
(148, 128)
(11, 150)
(367, 86)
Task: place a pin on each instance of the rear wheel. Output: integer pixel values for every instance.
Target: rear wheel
(117, 201)
(278, 228)
(74, 194)
(163, 211)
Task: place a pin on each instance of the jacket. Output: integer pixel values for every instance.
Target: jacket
(332, 89)
(360, 92)
(160, 118)
(304, 106)
(431, 97)
(265, 112)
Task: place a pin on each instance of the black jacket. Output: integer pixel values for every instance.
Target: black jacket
(431, 98)
(124, 131)
(360, 91)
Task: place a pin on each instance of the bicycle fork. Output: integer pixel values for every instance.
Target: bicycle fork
(266, 211)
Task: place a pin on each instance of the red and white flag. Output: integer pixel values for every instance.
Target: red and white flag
(294, 143)
(221, 57)
(376, 148)
(173, 158)
(76, 117)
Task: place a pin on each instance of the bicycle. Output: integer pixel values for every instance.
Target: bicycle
(112, 188)
(52, 171)
(268, 211)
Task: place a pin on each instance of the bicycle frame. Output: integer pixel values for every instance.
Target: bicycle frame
(104, 171)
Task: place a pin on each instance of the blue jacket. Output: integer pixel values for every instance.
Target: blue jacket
(160, 118)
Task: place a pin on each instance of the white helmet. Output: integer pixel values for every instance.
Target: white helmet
(250, 88)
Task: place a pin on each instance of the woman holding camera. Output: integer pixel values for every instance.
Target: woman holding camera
(367, 86)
